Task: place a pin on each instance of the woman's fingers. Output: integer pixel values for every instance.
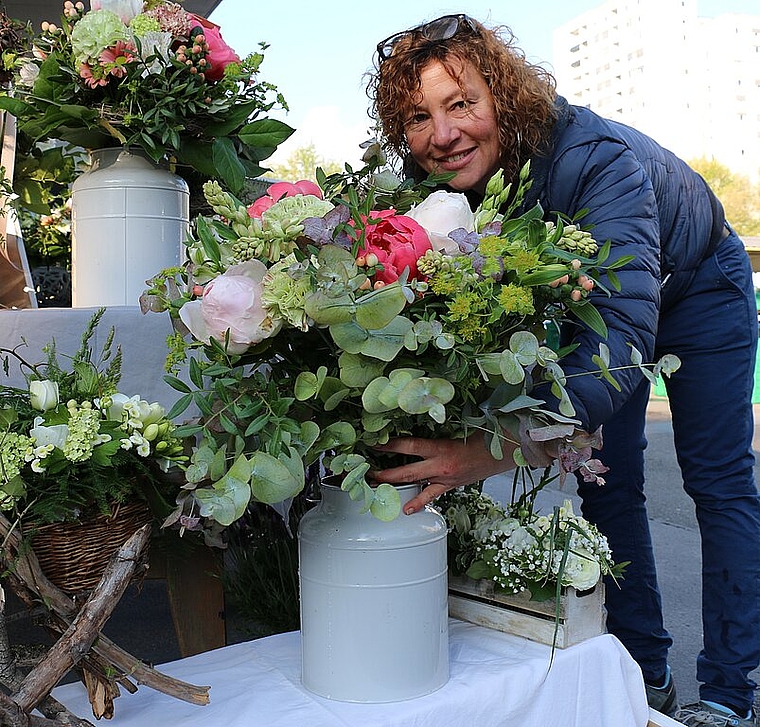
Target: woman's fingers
(425, 497)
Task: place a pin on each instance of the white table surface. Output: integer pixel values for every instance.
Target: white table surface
(497, 680)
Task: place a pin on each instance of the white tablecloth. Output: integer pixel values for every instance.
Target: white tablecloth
(497, 680)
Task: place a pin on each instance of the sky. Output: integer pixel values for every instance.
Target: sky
(319, 52)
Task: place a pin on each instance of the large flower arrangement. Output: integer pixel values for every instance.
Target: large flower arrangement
(72, 445)
(520, 550)
(151, 75)
(334, 317)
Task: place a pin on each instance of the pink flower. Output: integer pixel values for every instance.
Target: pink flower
(113, 59)
(398, 242)
(220, 55)
(278, 190)
(232, 302)
(92, 80)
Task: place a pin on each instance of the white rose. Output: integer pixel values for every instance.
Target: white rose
(43, 395)
(125, 9)
(582, 570)
(439, 214)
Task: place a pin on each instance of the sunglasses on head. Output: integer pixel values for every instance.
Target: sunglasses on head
(443, 28)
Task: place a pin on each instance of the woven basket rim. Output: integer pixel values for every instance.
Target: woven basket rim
(73, 555)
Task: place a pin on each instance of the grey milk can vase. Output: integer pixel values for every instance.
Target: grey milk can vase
(374, 611)
(129, 220)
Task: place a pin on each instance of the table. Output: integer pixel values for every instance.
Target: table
(497, 680)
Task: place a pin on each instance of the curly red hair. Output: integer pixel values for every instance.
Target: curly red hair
(523, 93)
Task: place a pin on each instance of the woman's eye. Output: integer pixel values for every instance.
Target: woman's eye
(417, 119)
(462, 105)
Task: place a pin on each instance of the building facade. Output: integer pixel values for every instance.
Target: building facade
(692, 83)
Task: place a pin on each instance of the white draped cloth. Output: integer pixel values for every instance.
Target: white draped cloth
(497, 680)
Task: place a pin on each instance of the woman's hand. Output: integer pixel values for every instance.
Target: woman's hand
(444, 465)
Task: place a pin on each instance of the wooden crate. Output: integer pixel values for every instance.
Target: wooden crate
(581, 614)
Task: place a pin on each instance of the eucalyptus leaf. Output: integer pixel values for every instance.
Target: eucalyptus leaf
(271, 480)
(377, 309)
(386, 503)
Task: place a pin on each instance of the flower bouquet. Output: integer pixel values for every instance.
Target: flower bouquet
(150, 75)
(72, 446)
(538, 576)
(519, 550)
(333, 317)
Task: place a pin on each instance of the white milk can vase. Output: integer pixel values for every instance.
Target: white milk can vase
(374, 615)
(129, 219)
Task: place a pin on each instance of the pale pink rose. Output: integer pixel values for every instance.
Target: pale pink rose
(398, 242)
(232, 302)
(278, 190)
(220, 55)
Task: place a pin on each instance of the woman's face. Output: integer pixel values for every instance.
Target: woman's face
(453, 129)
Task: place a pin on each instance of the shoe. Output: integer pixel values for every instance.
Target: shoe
(663, 698)
(710, 714)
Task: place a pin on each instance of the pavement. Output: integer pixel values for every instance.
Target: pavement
(142, 621)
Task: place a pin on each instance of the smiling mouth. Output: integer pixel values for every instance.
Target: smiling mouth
(454, 158)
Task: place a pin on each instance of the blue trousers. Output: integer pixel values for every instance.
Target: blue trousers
(713, 329)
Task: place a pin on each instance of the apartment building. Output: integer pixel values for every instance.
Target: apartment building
(692, 83)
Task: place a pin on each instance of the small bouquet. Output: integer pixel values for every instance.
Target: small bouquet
(520, 550)
(72, 445)
(334, 316)
(152, 75)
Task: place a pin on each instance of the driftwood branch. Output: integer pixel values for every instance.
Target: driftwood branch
(32, 586)
(73, 646)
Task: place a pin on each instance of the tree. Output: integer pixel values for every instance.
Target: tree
(741, 200)
(302, 164)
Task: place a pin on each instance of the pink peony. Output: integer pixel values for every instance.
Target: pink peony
(398, 242)
(232, 302)
(278, 190)
(220, 55)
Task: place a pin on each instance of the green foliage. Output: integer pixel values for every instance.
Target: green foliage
(740, 199)
(302, 163)
(161, 103)
(72, 445)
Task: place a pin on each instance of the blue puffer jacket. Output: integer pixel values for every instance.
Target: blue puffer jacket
(651, 205)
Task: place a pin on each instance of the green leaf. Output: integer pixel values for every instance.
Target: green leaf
(386, 503)
(377, 309)
(228, 167)
(586, 312)
(426, 395)
(265, 133)
(271, 480)
(329, 309)
(18, 108)
(357, 371)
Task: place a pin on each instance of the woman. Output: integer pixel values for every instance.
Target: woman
(454, 96)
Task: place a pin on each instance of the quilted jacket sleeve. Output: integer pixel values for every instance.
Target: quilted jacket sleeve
(605, 177)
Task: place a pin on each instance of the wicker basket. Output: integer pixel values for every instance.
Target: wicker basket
(74, 555)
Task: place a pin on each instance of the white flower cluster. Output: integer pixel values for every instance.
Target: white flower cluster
(516, 547)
